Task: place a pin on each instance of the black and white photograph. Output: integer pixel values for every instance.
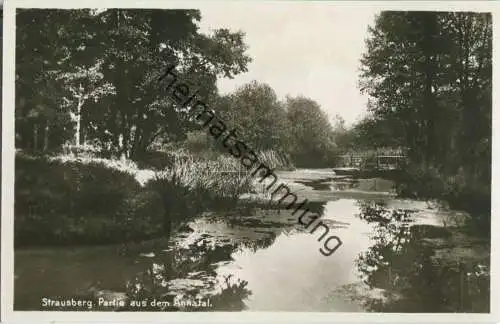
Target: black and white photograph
(246, 157)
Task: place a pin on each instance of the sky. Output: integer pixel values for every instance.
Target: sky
(299, 48)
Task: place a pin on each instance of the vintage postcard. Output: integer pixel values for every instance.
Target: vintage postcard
(225, 161)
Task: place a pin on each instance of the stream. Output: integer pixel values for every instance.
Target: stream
(396, 256)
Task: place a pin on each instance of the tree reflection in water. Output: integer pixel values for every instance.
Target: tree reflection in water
(190, 273)
(260, 244)
(404, 265)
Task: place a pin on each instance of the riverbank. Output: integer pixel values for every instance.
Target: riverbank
(462, 191)
(397, 255)
(66, 200)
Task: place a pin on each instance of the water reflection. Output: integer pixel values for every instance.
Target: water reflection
(258, 256)
(404, 263)
(348, 183)
(179, 279)
(190, 273)
(263, 243)
(330, 184)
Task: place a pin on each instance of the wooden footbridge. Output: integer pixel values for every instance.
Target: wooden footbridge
(359, 162)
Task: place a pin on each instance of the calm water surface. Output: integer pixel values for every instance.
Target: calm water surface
(397, 255)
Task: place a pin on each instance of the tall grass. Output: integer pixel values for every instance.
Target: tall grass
(83, 150)
(274, 160)
(123, 165)
(191, 185)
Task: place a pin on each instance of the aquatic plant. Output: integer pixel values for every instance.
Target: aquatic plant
(275, 160)
(219, 180)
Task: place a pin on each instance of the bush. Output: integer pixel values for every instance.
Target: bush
(60, 202)
(157, 160)
(461, 191)
(65, 201)
(71, 187)
(418, 181)
(199, 142)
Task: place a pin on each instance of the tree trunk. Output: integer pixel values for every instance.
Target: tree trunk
(78, 122)
(429, 102)
(35, 137)
(121, 149)
(46, 137)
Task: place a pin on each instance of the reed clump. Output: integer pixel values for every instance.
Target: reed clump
(191, 186)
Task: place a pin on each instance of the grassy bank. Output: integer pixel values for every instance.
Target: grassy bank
(461, 190)
(68, 200)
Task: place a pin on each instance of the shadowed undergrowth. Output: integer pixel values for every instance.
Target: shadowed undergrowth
(66, 201)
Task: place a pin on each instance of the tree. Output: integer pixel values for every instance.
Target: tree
(344, 136)
(339, 124)
(429, 77)
(84, 84)
(140, 112)
(115, 58)
(42, 53)
(312, 136)
(372, 133)
(259, 117)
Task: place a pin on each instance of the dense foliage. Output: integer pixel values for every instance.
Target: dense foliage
(295, 128)
(76, 203)
(312, 135)
(428, 75)
(86, 86)
(425, 70)
(93, 81)
(95, 71)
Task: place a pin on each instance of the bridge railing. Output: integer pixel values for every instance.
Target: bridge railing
(380, 161)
